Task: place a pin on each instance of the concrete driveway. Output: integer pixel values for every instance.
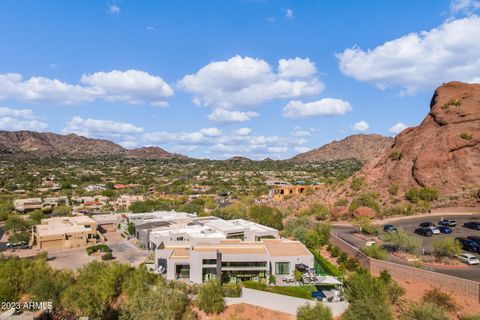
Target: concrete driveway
(69, 258)
(126, 251)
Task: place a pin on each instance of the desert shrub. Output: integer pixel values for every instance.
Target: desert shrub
(452, 102)
(440, 299)
(375, 251)
(399, 210)
(265, 215)
(393, 189)
(272, 279)
(210, 297)
(366, 199)
(472, 317)
(424, 311)
(298, 275)
(395, 154)
(107, 256)
(231, 290)
(366, 226)
(414, 195)
(131, 228)
(98, 247)
(466, 136)
(446, 247)
(341, 202)
(317, 312)
(318, 210)
(357, 184)
(255, 285)
(394, 290)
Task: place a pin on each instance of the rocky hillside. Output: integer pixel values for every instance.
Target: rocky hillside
(443, 152)
(29, 144)
(359, 146)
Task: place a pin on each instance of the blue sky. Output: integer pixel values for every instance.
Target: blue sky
(221, 78)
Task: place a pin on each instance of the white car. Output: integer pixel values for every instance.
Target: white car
(468, 258)
(434, 230)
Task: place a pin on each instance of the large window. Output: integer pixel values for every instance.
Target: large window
(282, 268)
(244, 264)
(209, 261)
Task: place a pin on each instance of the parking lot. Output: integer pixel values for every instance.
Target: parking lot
(409, 225)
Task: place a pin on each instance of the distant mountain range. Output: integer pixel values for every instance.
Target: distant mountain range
(29, 144)
(359, 146)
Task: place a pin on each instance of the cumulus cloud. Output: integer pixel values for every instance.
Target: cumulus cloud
(100, 128)
(113, 9)
(466, 7)
(397, 128)
(289, 13)
(243, 82)
(237, 142)
(323, 107)
(301, 149)
(227, 116)
(297, 132)
(131, 86)
(419, 60)
(243, 131)
(211, 132)
(361, 126)
(19, 119)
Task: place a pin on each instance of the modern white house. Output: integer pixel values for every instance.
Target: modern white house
(232, 260)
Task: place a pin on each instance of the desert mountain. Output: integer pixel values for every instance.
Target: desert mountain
(359, 146)
(29, 144)
(443, 152)
(239, 159)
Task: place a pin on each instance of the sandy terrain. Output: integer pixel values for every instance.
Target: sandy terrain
(246, 312)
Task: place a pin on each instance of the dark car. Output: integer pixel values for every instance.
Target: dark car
(444, 229)
(472, 225)
(475, 239)
(448, 223)
(390, 228)
(468, 245)
(424, 232)
(426, 224)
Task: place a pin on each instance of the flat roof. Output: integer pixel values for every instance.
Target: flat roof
(64, 225)
(284, 247)
(195, 231)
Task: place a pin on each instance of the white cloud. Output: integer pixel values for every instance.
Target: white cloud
(243, 131)
(301, 149)
(150, 28)
(397, 128)
(113, 9)
(211, 132)
(297, 132)
(361, 126)
(226, 116)
(467, 7)
(291, 68)
(420, 60)
(247, 82)
(131, 86)
(289, 13)
(19, 119)
(323, 107)
(100, 128)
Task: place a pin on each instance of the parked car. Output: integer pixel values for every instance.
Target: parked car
(427, 232)
(444, 229)
(468, 258)
(468, 245)
(426, 224)
(475, 225)
(475, 239)
(434, 230)
(448, 223)
(389, 228)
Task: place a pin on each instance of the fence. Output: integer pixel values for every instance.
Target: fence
(410, 274)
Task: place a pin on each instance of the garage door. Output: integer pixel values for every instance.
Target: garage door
(52, 244)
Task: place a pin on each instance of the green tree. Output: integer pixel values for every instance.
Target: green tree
(61, 211)
(446, 247)
(36, 216)
(131, 228)
(15, 223)
(375, 251)
(316, 312)
(265, 215)
(402, 241)
(210, 297)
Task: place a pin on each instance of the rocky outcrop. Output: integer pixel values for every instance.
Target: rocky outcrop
(359, 146)
(443, 152)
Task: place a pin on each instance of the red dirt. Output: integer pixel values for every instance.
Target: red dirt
(246, 312)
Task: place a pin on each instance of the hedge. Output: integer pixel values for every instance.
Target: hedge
(325, 264)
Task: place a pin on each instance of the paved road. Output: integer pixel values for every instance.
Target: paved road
(409, 224)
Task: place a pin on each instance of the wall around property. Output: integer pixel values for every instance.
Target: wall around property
(411, 274)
